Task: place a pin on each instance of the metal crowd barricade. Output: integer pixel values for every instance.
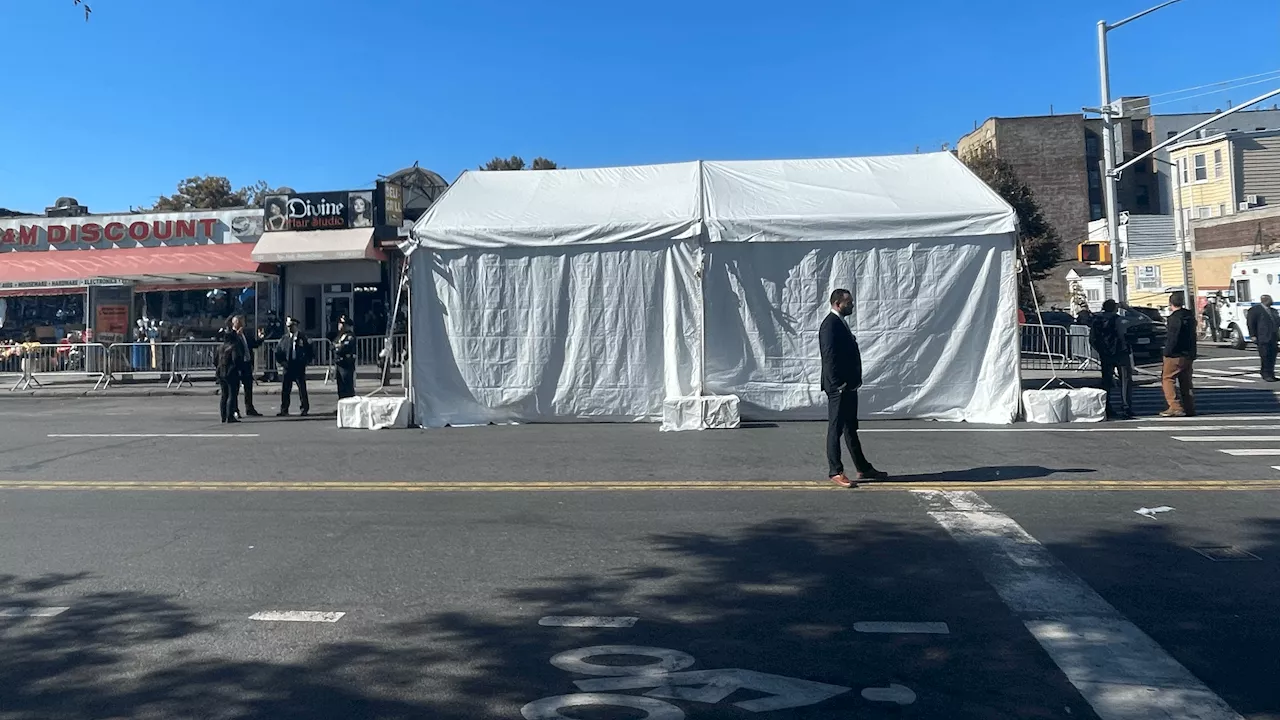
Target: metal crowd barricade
(140, 358)
(190, 358)
(1045, 347)
(1083, 356)
(32, 360)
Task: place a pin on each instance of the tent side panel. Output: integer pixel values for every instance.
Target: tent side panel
(574, 334)
(934, 320)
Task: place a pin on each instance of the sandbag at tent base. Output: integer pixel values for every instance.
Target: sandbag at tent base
(374, 413)
(701, 412)
(1065, 406)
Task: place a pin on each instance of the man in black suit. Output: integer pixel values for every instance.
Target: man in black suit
(248, 343)
(841, 378)
(1264, 328)
(293, 353)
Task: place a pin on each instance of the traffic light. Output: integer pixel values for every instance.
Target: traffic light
(1094, 253)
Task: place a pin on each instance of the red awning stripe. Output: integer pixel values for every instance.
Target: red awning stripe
(64, 265)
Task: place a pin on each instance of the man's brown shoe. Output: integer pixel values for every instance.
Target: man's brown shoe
(873, 475)
(1173, 413)
(843, 481)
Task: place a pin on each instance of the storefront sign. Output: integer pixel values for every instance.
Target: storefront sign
(319, 211)
(390, 199)
(143, 230)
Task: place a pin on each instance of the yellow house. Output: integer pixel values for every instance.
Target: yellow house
(1222, 174)
(1151, 279)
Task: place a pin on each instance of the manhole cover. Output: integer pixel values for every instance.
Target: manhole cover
(1226, 553)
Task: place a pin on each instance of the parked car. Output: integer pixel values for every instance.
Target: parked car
(1146, 337)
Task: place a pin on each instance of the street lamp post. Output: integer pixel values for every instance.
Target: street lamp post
(1109, 182)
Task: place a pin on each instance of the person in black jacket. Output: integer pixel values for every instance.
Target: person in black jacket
(1264, 328)
(1179, 356)
(1110, 342)
(293, 354)
(228, 363)
(841, 378)
(344, 359)
(249, 343)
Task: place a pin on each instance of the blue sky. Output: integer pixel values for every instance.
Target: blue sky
(326, 95)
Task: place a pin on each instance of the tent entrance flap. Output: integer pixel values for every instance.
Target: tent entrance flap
(316, 245)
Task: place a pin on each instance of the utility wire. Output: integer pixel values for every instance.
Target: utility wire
(1212, 84)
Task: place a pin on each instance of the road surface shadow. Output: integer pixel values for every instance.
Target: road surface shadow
(778, 597)
(991, 474)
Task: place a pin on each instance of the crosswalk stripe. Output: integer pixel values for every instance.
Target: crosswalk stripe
(1228, 438)
(1253, 452)
(1220, 378)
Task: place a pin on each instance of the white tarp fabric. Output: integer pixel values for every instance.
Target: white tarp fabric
(552, 208)
(571, 295)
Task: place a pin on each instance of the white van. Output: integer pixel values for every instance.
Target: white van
(1250, 280)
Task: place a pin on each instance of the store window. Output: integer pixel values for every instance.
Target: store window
(195, 314)
(47, 318)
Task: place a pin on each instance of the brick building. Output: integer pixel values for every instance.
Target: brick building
(1222, 241)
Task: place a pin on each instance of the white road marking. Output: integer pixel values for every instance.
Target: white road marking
(592, 621)
(1092, 428)
(713, 686)
(39, 612)
(1152, 512)
(297, 616)
(1246, 368)
(549, 708)
(669, 661)
(153, 435)
(1253, 452)
(1225, 359)
(896, 694)
(1218, 378)
(922, 628)
(1228, 438)
(1118, 669)
(1216, 418)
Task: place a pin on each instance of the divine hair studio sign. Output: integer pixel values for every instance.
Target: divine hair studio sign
(130, 230)
(319, 211)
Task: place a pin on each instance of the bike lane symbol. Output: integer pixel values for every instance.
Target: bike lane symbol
(667, 678)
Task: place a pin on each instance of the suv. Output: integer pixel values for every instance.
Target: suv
(1146, 337)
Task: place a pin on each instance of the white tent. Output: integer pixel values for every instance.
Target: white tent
(596, 294)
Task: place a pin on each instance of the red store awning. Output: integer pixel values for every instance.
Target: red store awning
(183, 265)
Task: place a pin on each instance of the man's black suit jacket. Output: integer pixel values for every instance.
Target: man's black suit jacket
(841, 361)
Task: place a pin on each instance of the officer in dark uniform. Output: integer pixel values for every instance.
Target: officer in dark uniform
(344, 358)
(293, 355)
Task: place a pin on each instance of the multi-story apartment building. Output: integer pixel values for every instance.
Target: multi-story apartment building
(1221, 174)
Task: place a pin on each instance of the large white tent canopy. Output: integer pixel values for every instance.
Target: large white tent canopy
(597, 294)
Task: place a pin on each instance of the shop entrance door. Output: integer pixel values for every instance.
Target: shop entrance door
(337, 302)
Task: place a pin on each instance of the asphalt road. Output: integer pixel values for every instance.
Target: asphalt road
(1014, 575)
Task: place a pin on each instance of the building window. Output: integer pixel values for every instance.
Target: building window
(1142, 197)
(1091, 145)
(1171, 134)
(1182, 165)
(1149, 277)
(1202, 170)
(1095, 211)
(1222, 210)
(1095, 179)
(1217, 163)
(1093, 296)
(1204, 212)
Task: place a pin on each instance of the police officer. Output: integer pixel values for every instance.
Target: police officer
(344, 358)
(293, 355)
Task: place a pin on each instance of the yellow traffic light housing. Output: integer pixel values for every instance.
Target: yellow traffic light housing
(1094, 253)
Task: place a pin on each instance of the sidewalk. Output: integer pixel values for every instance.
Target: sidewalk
(366, 382)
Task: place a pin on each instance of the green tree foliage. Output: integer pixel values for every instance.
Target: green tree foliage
(1041, 246)
(211, 192)
(515, 162)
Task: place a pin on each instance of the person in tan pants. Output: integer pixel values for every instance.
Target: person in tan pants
(1179, 357)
